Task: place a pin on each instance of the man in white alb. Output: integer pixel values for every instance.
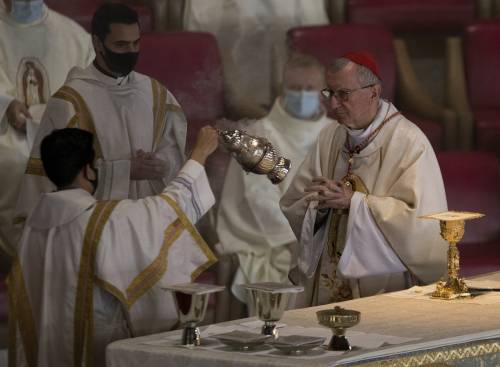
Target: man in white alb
(89, 272)
(139, 128)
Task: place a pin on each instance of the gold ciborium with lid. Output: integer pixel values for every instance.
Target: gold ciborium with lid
(452, 225)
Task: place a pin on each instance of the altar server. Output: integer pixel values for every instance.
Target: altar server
(88, 272)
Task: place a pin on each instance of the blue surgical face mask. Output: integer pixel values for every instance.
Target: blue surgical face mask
(302, 104)
(26, 12)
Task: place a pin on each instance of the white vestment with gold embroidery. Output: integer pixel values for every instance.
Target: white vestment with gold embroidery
(383, 243)
(145, 245)
(125, 115)
(35, 61)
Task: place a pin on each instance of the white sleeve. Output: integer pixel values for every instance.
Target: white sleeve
(191, 190)
(263, 200)
(5, 101)
(366, 251)
(311, 241)
(113, 179)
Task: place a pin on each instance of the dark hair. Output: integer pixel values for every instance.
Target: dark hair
(64, 153)
(112, 13)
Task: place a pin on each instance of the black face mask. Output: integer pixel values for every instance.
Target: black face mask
(120, 63)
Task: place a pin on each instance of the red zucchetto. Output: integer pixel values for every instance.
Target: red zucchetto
(366, 59)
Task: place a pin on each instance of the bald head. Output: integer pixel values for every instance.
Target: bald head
(303, 72)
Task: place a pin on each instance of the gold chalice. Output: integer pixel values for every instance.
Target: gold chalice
(338, 319)
(452, 226)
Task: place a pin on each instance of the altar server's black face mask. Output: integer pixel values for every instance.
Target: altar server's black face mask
(120, 63)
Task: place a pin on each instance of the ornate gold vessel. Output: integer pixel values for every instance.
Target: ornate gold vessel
(452, 226)
(255, 154)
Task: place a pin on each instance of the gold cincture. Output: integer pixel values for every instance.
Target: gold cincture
(452, 226)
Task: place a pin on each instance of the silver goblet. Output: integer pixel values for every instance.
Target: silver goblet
(269, 300)
(191, 301)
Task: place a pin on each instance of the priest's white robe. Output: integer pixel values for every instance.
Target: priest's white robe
(385, 246)
(126, 114)
(252, 37)
(35, 60)
(89, 272)
(249, 221)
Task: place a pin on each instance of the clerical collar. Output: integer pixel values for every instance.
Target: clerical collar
(119, 79)
(356, 136)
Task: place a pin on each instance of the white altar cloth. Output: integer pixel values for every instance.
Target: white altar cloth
(425, 327)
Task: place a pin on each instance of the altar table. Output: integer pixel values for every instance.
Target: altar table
(439, 333)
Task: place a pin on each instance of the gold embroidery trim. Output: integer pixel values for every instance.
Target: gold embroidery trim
(83, 322)
(440, 356)
(159, 111)
(174, 108)
(111, 289)
(35, 167)
(211, 259)
(154, 272)
(148, 277)
(21, 315)
(73, 122)
(82, 118)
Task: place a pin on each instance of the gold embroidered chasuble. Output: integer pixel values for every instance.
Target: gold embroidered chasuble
(403, 181)
(88, 272)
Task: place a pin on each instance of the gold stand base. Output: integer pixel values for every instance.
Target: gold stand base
(452, 289)
(452, 225)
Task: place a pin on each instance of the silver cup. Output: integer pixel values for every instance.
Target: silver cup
(255, 154)
(191, 301)
(268, 301)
